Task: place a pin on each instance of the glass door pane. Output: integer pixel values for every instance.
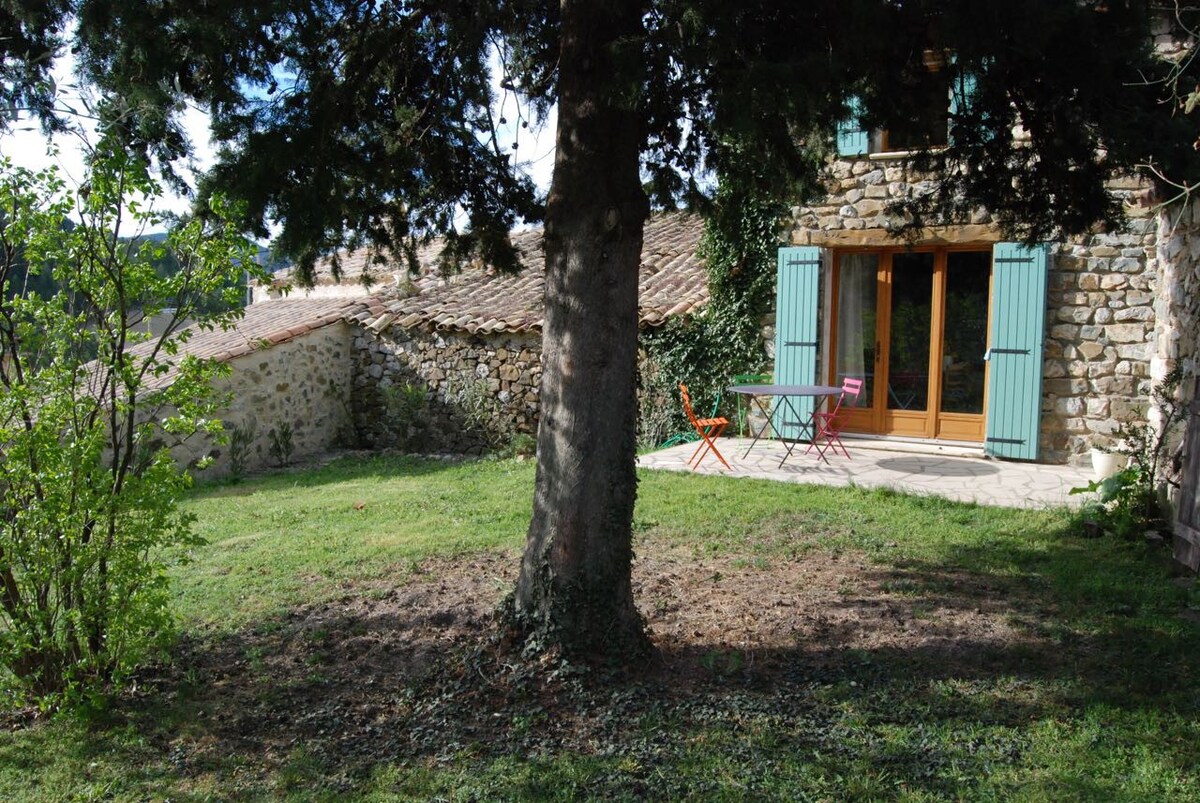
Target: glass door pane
(965, 332)
(908, 343)
(856, 321)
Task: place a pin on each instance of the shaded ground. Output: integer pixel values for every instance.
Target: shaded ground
(812, 645)
(405, 673)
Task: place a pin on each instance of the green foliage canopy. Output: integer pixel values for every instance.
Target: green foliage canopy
(373, 122)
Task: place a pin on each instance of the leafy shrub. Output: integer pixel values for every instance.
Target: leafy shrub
(1134, 499)
(403, 412)
(241, 439)
(660, 415)
(282, 444)
(521, 444)
(91, 405)
(479, 408)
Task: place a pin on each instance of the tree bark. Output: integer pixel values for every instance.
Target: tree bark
(574, 592)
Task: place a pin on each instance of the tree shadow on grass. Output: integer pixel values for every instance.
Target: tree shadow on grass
(810, 676)
(347, 467)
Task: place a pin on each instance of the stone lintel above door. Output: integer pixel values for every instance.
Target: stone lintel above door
(970, 234)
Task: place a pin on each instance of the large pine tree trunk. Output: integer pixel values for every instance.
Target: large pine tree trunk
(574, 592)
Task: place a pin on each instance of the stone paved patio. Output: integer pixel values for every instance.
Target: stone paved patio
(968, 479)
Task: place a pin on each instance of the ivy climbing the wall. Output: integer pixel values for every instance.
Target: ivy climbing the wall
(704, 351)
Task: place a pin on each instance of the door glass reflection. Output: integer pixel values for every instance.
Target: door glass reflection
(908, 343)
(965, 337)
(856, 321)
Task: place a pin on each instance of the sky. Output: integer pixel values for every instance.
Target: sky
(27, 147)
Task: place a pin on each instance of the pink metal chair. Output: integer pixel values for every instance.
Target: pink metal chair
(827, 427)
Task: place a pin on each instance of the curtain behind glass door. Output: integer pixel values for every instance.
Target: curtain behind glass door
(856, 321)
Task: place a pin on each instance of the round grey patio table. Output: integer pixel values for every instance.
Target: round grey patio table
(785, 393)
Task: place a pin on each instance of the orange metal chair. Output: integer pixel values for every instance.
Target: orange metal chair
(707, 428)
(827, 427)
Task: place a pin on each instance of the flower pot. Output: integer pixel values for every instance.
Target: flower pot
(1105, 464)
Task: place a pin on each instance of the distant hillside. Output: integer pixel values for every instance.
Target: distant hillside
(273, 263)
(20, 282)
(263, 256)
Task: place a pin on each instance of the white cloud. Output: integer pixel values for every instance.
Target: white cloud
(26, 145)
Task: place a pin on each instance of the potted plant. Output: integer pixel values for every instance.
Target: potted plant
(1106, 463)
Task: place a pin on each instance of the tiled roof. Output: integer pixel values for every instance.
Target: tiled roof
(269, 324)
(277, 322)
(672, 282)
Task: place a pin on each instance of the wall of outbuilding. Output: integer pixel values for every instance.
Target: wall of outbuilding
(477, 391)
(301, 385)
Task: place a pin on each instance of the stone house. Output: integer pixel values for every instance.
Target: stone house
(1035, 353)
(963, 339)
(427, 361)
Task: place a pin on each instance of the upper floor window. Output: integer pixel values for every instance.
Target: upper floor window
(930, 98)
(927, 122)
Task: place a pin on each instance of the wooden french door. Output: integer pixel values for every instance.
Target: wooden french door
(914, 325)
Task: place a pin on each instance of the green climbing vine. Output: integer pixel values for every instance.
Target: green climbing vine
(740, 240)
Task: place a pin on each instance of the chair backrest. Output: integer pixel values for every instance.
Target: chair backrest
(850, 387)
(751, 379)
(687, 403)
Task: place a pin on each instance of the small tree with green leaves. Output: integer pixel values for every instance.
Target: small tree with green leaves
(91, 405)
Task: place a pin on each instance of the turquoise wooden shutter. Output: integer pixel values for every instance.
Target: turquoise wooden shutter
(1018, 321)
(796, 301)
(851, 139)
(962, 89)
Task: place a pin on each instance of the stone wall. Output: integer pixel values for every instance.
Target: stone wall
(474, 392)
(303, 383)
(1102, 320)
(1177, 306)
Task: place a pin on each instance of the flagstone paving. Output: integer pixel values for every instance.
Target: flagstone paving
(966, 479)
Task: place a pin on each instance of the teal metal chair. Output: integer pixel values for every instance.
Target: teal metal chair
(743, 403)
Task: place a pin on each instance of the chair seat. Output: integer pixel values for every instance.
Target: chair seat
(707, 428)
(828, 426)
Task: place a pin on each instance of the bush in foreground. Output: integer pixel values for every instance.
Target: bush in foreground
(91, 404)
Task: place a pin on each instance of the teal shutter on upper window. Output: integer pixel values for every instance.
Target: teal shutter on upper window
(962, 89)
(796, 301)
(851, 139)
(1018, 319)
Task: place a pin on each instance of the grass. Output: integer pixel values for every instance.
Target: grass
(295, 537)
(1117, 719)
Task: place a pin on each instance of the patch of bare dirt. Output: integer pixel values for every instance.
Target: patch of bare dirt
(817, 611)
(408, 671)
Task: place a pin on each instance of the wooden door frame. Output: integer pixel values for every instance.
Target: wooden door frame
(965, 426)
(879, 419)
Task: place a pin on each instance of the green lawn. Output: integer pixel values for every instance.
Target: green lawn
(296, 537)
(1099, 698)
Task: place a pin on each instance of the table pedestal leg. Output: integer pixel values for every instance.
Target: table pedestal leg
(806, 427)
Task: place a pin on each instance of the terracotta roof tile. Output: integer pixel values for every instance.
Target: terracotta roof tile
(270, 323)
(672, 282)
